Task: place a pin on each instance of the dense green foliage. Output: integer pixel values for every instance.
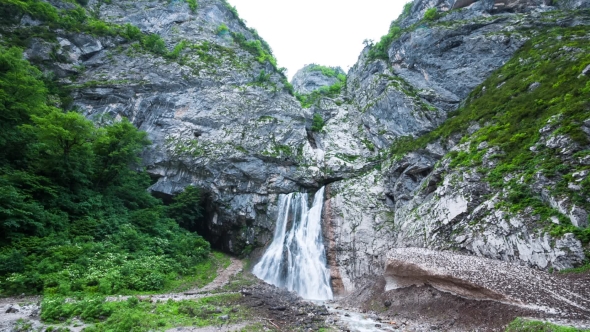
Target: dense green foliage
(430, 14)
(317, 123)
(222, 29)
(328, 71)
(512, 111)
(74, 211)
(523, 325)
(256, 48)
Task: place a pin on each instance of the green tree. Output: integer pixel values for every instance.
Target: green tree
(22, 94)
(64, 144)
(116, 150)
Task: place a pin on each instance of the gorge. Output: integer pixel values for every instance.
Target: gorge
(459, 140)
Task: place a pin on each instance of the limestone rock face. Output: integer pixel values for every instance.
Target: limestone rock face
(311, 78)
(212, 121)
(421, 200)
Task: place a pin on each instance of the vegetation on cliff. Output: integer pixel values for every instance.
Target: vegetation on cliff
(541, 88)
(332, 91)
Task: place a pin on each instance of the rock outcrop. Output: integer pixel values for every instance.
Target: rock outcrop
(311, 78)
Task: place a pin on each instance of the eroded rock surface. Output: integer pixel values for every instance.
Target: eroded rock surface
(482, 278)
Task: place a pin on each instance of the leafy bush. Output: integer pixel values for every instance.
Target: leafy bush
(131, 32)
(379, 50)
(406, 11)
(154, 43)
(431, 14)
(255, 47)
(222, 29)
(186, 207)
(175, 53)
(326, 71)
(317, 123)
(331, 91)
(192, 4)
(262, 77)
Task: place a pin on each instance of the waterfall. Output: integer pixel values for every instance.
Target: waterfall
(296, 259)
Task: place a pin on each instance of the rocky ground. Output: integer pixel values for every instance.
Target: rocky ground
(422, 306)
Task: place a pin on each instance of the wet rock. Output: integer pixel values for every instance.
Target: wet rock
(12, 310)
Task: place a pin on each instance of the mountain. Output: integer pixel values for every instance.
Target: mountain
(466, 128)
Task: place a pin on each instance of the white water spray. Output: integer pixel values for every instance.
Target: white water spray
(296, 259)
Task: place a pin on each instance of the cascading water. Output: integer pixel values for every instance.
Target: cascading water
(296, 259)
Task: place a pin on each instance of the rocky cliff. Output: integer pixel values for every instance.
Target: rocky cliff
(465, 127)
(482, 182)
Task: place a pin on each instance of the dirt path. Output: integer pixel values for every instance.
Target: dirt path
(223, 328)
(223, 276)
(222, 279)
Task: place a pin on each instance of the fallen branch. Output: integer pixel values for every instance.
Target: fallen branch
(270, 321)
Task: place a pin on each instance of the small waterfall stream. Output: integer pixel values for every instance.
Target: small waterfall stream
(296, 259)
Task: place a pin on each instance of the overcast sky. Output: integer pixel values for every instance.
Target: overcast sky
(326, 32)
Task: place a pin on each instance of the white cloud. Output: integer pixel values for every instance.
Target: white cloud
(326, 32)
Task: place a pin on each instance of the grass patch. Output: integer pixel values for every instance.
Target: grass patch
(136, 315)
(523, 325)
(582, 269)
